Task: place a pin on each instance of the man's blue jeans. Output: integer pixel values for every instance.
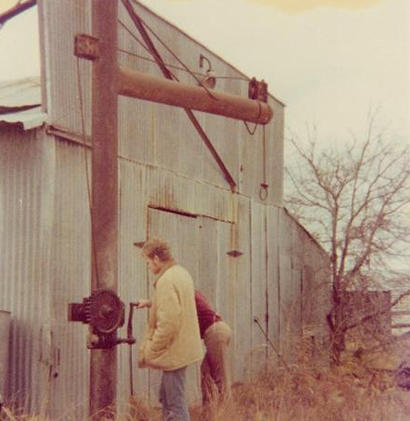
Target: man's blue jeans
(172, 395)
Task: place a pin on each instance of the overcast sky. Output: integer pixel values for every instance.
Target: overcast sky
(329, 64)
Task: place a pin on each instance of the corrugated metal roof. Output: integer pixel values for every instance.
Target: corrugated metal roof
(20, 103)
(17, 93)
(27, 119)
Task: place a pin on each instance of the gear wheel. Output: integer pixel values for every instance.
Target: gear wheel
(104, 311)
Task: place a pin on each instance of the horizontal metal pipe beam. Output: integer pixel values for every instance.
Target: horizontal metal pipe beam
(400, 313)
(400, 326)
(151, 88)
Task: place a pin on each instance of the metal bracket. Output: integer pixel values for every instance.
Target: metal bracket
(86, 46)
(258, 90)
(139, 244)
(234, 253)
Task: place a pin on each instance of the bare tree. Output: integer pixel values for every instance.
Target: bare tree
(354, 199)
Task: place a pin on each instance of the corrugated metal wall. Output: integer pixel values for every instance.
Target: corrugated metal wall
(46, 265)
(70, 270)
(25, 189)
(159, 134)
(169, 186)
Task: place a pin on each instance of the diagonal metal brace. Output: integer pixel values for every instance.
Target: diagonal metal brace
(140, 26)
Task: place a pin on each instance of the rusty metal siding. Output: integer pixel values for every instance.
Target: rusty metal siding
(273, 278)
(60, 21)
(182, 233)
(70, 269)
(158, 134)
(287, 295)
(316, 294)
(304, 291)
(132, 271)
(168, 190)
(24, 183)
(274, 271)
(258, 284)
(169, 186)
(313, 264)
(242, 327)
(275, 155)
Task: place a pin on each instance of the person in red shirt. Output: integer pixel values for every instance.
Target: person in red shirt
(216, 334)
(215, 373)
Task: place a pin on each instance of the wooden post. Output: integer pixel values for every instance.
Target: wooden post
(104, 216)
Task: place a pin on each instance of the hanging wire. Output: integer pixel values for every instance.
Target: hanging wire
(135, 37)
(187, 69)
(151, 61)
(249, 130)
(173, 66)
(80, 97)
(252, 131)
(143, 46)
(263, 191)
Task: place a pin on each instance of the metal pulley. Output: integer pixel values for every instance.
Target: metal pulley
(104, 312)
(258, 90)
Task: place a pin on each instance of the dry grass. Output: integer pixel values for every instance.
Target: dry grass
(350, 392)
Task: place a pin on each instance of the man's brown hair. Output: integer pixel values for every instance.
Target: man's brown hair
(157, 247)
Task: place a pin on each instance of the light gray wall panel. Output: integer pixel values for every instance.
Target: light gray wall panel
(285, 283)
(181, 232)
(275, 154)
(25, 192)
(170, 191)
(60, 21)
(208, 262)
(243, 320)
(273, 244)
(159, 134)
(132, 275)
(70, 279)
(258, 284)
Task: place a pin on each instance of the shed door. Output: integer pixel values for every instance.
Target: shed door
(199, 244)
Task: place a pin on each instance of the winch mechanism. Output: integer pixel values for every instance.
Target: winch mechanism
(104, 312)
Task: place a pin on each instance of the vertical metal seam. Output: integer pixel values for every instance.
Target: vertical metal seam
(266, 279)
(279, 281)
(250, 278)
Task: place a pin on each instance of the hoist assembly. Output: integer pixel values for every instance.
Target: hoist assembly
(104, 312)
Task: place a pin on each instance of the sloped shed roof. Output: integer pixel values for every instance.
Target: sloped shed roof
(20, 103)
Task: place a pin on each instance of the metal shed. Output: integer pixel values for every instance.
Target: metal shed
(170, 186)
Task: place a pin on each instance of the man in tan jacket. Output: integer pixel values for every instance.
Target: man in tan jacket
(172, 340)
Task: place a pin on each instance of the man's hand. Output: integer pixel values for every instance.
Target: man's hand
(141, 303)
